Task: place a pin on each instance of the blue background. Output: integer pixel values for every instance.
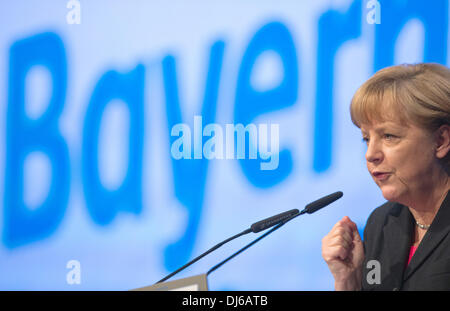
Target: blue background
(86, 110)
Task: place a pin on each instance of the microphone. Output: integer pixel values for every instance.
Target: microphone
(256, 227)
(272, 221)
(322, 202)
(309, 209)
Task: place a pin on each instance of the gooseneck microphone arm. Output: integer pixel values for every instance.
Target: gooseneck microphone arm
(277, 221)
(309, 209)
(204, 254)
(256, 227)
(251, 243)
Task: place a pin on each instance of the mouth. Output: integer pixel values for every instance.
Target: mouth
(381, 176)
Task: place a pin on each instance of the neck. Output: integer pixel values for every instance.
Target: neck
(426, 203)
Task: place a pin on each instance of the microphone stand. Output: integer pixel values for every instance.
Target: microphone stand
(256, 227)
(277, 221)
(254, 242)
(204, 254)
(310, 208)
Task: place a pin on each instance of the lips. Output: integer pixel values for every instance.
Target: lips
(381, 175)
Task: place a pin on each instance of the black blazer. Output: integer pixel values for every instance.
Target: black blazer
(387, 238)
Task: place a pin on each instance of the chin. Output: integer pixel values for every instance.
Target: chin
(390, 193)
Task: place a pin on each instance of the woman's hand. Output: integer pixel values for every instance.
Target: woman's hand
(342, 250)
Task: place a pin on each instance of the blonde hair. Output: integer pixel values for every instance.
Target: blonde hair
(405, 93)
(415, 93)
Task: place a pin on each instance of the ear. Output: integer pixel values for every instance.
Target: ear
(443, 141)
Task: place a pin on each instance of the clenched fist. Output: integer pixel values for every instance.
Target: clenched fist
(342, 250)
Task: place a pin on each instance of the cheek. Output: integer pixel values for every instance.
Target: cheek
(411, 162)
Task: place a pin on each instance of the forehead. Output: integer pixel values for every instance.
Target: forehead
(384, 125)
(409, 130)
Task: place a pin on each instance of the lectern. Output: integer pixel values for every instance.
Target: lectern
(193, 283)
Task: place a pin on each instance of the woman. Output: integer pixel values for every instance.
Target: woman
(404, 116)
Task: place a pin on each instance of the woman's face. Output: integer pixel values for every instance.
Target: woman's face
(400, 158)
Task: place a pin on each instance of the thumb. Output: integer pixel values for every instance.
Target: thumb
(349, 223)
(358, 248)
(356, 236)
(353, 227)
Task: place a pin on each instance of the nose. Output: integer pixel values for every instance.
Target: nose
(374, 153)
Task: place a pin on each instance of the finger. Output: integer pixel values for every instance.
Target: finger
(340, 252)
(341, 231)
(335, 253)
(340, 241)
(337, 242)
(346, 221)
(344, 233)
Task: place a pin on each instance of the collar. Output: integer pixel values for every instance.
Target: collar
(398, 233)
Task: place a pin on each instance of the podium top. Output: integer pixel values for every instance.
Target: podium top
(193, 283)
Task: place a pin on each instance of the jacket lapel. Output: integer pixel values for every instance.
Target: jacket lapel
(397, 237)
(438, 230)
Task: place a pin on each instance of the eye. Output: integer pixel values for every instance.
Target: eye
(365, 140)
(388, 136)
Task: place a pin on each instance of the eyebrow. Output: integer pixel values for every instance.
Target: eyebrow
(384, 127)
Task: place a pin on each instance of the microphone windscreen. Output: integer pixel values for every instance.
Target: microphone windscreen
(272, 221)
(322, 202)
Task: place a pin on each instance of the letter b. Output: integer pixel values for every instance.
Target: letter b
(24, 135)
